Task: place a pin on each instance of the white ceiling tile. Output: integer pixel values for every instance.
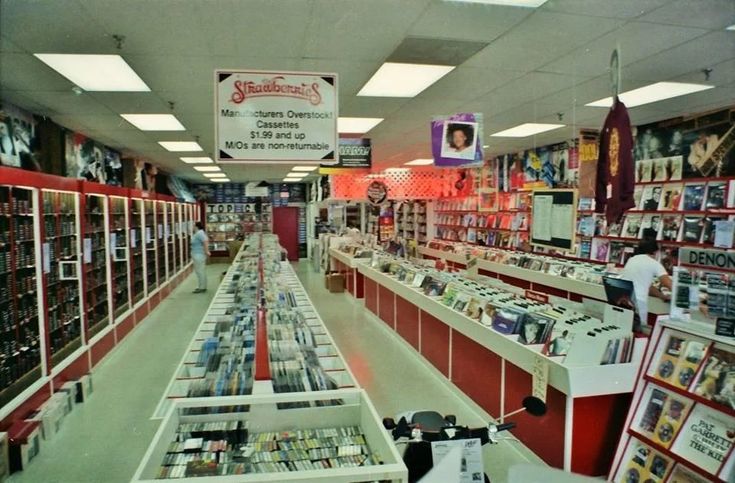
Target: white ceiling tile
(541, 37)
(699, 53)
(625, 9)
(131, 102)
(23, 72)
(356, 29)
(68, 103)
(351, 74)
(634, 40)
(723, 74)
(51, 27)
(6, 45)
(467, 83)
(467, 21)
(352, 106)
(708, 14)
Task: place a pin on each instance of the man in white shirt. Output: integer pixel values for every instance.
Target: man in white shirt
(642, 269)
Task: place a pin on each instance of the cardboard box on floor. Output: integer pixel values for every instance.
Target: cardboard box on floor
(335, 282)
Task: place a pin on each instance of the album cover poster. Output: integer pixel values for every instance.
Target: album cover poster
(706, 438)
(682, 474)
(644, 464)
(600, 249)
(17, 131)
(708, 230)
(644, 171)
(675, 411)
(671, 197)
(716, 381)
(637, 197)
(715, 195)
(650, 222)
(632, 226)
(706, 144)
(85, 158)
(651, 197)
(667, 169)
(654, 407)
(113, 166)
(670, 227)
(692, 229)
(693, 197)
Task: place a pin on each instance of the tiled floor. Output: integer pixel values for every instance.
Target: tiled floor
(104, 439)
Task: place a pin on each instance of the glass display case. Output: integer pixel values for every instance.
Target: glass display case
(94, 263)
(170, 238)
(61, 268)
(149, 239)
(160, 241)
(137, 243)
(21, 351)
(119, 255)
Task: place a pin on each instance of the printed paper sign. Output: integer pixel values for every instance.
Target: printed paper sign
(46, 250)
(276, 116)
(540, 377)
(87, 250)
(471, 466)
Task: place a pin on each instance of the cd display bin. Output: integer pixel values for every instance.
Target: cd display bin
(190, 370)
(278, 414)
(681, 423)
(585, 402)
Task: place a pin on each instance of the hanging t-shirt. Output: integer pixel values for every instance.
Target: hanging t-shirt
(615, 170)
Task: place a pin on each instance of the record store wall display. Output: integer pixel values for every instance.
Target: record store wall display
(17, 135)
(87, 159)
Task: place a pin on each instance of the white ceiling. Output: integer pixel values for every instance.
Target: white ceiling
(538, 62)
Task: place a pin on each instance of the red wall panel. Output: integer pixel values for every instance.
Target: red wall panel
(386, 305)
(543, 435)
(597, 425)
(75, 370)
(407, 321)
(102, 347)
(371, 296)
(477, 372)
(435, 342)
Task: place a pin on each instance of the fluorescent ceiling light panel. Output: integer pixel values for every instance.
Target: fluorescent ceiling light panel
(420, 162)
(652, 93)
(357, 125)
(154, 122)
(305, 169)
(197, 160)
(403, 80)
(180, 146)
(525, 130)
(207, 169)
(220, 180)
(214, 175)
(97, 73)
(291, 180)
(507, 3)
(731, 27)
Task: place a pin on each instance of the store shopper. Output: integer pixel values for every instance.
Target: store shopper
(199, 254)
(642, 269)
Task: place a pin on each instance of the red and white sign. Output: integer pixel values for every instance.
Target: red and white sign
(537, 296)
(266, 117)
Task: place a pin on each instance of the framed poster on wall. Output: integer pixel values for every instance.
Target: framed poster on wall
(554, 218)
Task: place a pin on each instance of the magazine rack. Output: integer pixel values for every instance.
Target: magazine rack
(278, 413)
(681, 425)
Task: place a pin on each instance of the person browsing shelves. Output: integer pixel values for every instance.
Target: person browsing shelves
(642, 269)
(199, 254)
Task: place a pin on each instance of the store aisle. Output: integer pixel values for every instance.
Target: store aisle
(395, 378)
(104, 439)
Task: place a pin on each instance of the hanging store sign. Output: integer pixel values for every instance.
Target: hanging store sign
(267, 117)
(377, 192)
(457, 140)
(354, 153)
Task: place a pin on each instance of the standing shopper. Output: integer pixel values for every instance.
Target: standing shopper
(199, 254)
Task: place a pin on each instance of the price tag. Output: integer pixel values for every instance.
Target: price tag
(87, 250)
(160, 231)
(540, 376)
(46, 250)
(133, 239)
(148, 234)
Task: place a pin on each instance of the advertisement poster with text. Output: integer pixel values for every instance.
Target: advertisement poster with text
(276, 117)
(354, 153)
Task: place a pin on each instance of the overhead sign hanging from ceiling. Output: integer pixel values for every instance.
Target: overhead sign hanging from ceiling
(354, 153)
(272, 117)
(457, 140)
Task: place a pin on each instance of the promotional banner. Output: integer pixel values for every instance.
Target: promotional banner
(354, 153)
(457, 140)
(276, 117)
(17, 129)
(87, 159)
